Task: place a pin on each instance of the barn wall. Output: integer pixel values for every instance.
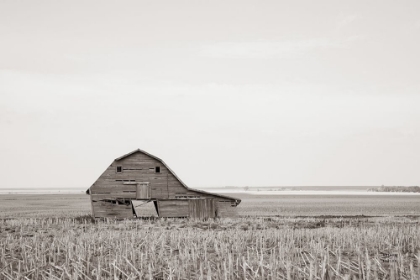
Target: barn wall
(196, 208)
(108, 210)
(136, 168)
(173, 208)
(202, 208)
(140, 167)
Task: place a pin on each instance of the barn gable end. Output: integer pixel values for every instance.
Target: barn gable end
(142, 176)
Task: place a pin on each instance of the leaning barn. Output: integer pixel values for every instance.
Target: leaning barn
(142, 176)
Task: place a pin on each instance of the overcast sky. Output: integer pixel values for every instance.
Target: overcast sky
(257, 93)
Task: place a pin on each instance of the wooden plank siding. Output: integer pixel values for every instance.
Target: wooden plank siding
(202, 208)
(143, 191)
(114, 188)
(171, 194)
(108, 210)
(195, 208)
(115, 195)
(175, 208)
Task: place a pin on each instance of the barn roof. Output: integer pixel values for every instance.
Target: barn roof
(161, 161)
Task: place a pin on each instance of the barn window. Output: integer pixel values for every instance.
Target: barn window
(119, 168)
(157, 169)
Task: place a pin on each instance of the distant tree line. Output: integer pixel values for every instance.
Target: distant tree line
(415, 189)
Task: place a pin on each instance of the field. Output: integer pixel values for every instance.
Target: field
(275, 237)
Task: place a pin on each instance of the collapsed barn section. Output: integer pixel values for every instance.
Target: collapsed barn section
(140, 176)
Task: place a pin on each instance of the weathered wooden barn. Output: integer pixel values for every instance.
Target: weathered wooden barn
(141, 176)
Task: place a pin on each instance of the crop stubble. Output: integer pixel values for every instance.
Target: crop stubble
(49, 238)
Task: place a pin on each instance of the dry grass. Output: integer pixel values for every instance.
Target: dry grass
(337, 205)
(252, 205)
(73, 246)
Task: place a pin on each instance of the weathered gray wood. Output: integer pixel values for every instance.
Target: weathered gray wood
(91, 206)
(115, 189)
(144, 208)
(113, 196)
(173, 208)
(109, 210)
(202, 208)
(164, 185)
(143, 191)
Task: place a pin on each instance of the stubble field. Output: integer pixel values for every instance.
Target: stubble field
(275, 237)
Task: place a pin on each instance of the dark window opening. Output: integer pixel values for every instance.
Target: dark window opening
(157, 169)
(117, 201)
(119, 168)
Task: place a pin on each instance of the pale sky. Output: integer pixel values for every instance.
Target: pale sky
(244, 93)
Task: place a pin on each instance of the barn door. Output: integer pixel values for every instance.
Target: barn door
(143, 190)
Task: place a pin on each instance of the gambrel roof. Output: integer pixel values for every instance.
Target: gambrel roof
(173, 173)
